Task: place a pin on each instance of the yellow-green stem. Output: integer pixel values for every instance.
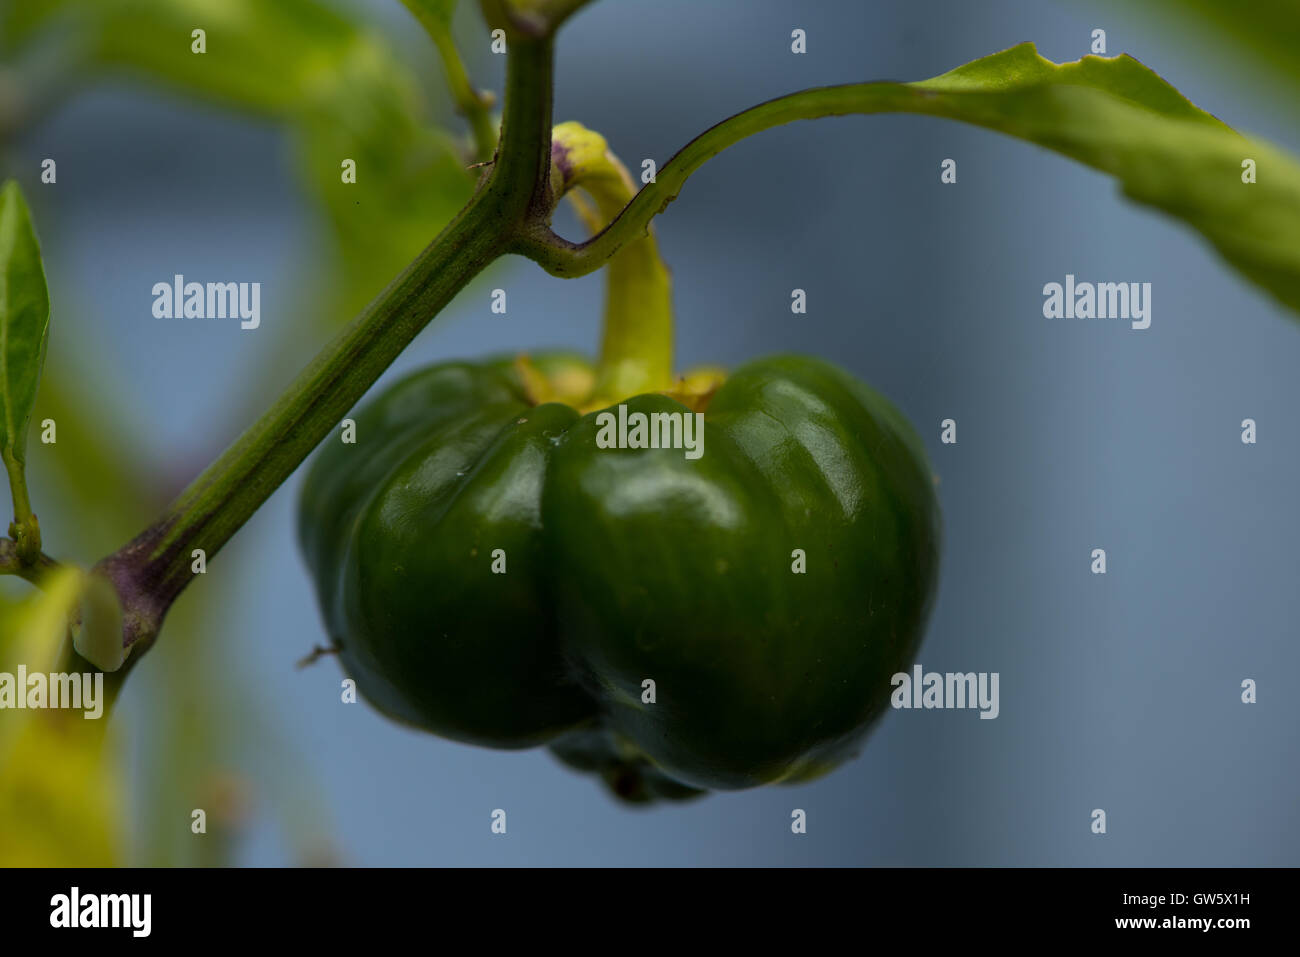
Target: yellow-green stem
(636, 352)
(26, 531)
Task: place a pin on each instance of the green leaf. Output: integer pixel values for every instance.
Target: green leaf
(1265, 35)
(24, 321)
(410, 183)
(19, 19)
(60, 787)
(263, 55)
(1112, 114)
(337, 85)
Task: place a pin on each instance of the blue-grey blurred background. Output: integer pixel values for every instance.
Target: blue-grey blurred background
(1119, 692)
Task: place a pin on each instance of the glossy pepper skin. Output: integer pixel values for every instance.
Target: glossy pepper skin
(623, 565)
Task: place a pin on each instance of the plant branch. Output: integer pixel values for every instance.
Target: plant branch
(151, 571)
(25, 529)
(522, 172)
(562, 257)
(12, 564)
(530, 17)
(154, 568)
(556, 12)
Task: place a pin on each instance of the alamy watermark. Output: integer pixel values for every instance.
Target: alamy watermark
(133, 912)
(931, 689)
(656, 430)
(56, 690)
(1104, 300)
(179, 299)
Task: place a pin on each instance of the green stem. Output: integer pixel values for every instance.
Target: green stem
(153, 569)
(636, 352)
(561, 257)
(471, 103)
(18, 486)
(11, 563)
(150, 571)
(521, 172)
(557, 12)
(535, 18)
(24, 528)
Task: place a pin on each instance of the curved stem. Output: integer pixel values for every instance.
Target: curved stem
(1103, 113)
(561, 257)
(636, 351)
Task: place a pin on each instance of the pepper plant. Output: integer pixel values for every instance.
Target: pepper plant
(633, 565)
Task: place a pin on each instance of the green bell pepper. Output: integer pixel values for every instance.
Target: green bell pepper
(614, 566)
(674, 619)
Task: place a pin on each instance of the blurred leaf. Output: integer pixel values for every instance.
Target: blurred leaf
(1267, 32)
(19, 19)
(410, 177)
(36, 628)
(339, 86)
(24, 321)
(60, 795)
(59, 790)
(260, 54)
(92, 466)
(343, 93)
(33, 629)
(410, 182)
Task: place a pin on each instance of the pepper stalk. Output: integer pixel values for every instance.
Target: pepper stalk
(636, 352)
